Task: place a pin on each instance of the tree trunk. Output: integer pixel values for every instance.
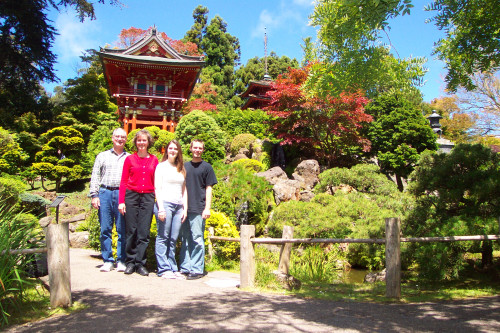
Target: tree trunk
(43, 185)
(399, 182)
(487, 254)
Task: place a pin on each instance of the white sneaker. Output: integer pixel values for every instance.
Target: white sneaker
(179, 276)
(168, 275)
(106, 267)
(120, 267)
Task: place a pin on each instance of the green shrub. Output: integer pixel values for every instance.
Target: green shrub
(15, 233)
(249, 164)
(199, 125)
(223, 227)
(366, 178)
(352, 215)
(33, 203)
(10, 190)
(237, 121)
(238, 188)
(244, 140)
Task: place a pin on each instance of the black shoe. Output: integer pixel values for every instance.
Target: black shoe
(130, 269)
(142, 270)
(194, 276)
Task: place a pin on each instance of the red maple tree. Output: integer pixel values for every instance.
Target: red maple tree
(200, 98)
(326, 127)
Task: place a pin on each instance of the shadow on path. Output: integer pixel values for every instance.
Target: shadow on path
(242, 311)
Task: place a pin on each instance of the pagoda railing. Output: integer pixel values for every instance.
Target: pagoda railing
(149, 92)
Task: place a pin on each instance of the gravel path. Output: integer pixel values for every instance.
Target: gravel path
(120, 303)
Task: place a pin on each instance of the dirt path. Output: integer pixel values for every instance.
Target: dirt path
(120, 303)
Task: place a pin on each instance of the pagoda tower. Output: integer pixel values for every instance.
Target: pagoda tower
(150, 82)
(256, 92)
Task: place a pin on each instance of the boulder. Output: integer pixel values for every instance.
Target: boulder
(273, 175)
(375, 277)
(79, 239)
(287, 281)
(306, 195)
(45, 221)
(244, 151)
(75, 218)
(240, 157)
(286, 190)
(307, 173)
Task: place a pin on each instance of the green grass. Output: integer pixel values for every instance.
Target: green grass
(473, 284)
(35, 305)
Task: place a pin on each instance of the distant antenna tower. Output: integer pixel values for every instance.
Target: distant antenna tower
(266, 75)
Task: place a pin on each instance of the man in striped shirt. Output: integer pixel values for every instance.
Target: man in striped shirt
(104, 190)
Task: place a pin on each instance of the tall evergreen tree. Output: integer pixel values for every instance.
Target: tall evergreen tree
(195, 34)
(26, 37)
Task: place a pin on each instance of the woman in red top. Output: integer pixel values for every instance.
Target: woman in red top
(136, 201)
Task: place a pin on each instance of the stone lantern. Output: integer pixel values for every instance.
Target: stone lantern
(434, 122)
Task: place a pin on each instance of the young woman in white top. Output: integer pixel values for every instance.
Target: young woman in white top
(171, 208)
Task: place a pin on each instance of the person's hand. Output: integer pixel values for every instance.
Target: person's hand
(183, 217)
(162, 215)
(121, 208)
(206, 214)
(96, 203)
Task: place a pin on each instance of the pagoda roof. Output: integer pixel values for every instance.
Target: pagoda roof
(151, 49)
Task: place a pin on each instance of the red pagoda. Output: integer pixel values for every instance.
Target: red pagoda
(256, 94)
(150, 81)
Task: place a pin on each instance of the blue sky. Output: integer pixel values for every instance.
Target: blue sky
(286, 22)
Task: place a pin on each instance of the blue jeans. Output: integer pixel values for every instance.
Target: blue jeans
(192, 256)
(109, 215)
(168, 231)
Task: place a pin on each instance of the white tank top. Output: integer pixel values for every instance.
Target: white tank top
(168, 183)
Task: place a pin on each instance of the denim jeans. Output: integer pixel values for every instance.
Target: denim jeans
(109, 215)
(192, 256)
(168, 232)
(138, 216)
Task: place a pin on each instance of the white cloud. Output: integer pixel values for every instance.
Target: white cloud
(74, 37)
(287, 16)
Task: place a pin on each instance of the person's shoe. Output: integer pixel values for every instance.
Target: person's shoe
(129, 269)
(120, 267)
(168, 275)
(180, 276)
(106, 267)
(142, 271)
(194, 276)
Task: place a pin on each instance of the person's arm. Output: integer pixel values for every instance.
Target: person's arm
(208, 202)
(184, 201)
(123, 184)
(158, 192)
(95, 182)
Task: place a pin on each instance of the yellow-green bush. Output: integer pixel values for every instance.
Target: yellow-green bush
(249, 164)
(223, 227)
(241, 141)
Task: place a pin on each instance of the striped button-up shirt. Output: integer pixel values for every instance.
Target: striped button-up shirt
(107, 171)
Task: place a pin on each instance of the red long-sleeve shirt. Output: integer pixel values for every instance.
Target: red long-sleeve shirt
(138, 175)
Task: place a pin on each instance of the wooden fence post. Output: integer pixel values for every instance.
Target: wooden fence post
(247, 256)
(210, 246)
(58, 264)
(392, 258)
(286, 250)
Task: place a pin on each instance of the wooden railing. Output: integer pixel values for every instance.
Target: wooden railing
(392, 243)
(150, 92)
(57, 238)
